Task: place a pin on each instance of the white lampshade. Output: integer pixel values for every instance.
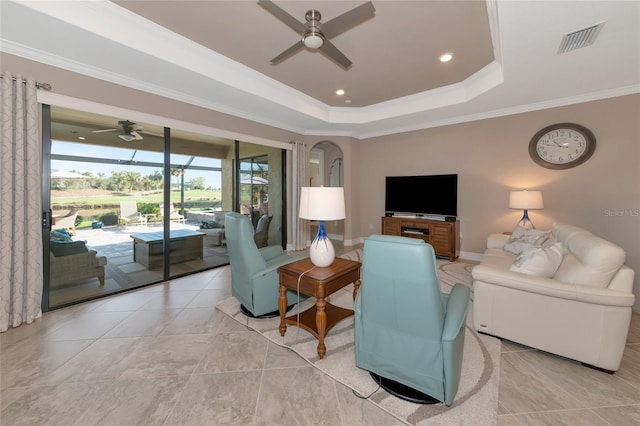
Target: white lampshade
(322, 203)
(526, 200)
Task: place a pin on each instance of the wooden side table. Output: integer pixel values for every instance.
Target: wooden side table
(319, 283)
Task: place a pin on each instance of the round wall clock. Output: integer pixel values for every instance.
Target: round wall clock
(562, 146)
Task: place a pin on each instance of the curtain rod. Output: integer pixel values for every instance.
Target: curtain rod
(43, 86)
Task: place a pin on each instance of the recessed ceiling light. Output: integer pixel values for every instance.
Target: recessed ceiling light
(81, 138)
(446, 57)
(339, 92)
(347, 101)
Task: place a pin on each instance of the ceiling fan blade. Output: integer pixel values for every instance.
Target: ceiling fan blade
(331, 51)
(136, 135)
(289, 20)
(145, 132)
(104, 130)
(290, 51)
(349, 19)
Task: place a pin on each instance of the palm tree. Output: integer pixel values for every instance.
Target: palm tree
(156, 177)
(100, 181)
(117, 180)
(177, 173)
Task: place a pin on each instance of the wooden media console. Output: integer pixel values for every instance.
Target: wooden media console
(442, 235)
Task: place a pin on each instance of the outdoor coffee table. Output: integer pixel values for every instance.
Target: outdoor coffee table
(319, 283)
(184, 245)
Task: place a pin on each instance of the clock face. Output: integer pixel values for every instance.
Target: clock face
(562, 146)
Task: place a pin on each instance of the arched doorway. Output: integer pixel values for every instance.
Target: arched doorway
(326, 169)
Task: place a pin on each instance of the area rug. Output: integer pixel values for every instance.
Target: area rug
(477, 399)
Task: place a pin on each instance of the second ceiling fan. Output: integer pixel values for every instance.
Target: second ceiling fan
(130, 131)
(316, 35)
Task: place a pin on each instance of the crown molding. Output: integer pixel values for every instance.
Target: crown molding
(590, 97)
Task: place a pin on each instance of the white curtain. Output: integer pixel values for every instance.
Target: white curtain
(299, 229)
(20, 203)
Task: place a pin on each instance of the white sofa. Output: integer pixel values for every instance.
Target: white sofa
(581, 312)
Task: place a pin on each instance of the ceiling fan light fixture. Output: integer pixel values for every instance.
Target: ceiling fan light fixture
(127, 137)
(313, 39)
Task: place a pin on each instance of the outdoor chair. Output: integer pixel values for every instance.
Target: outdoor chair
(254, 272)
(68, 221)
(129, 213)
(173, 214)
(408, 334)
(261, 235)
(72, 262)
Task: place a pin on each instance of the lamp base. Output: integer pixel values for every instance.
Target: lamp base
(525, 222)
(321, 251)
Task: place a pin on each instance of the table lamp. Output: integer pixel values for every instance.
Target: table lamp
(322, 204)
(525, 200)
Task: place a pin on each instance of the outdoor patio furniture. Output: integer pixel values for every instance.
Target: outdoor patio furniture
(261, 235)
(148, 247)
(129, 213)
(68, 221)
(72, 262)
(173, 214)
(212, 226)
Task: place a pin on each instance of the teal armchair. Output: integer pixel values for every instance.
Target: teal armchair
(254, 272)
(409, 334)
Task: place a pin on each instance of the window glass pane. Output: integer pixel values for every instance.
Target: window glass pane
(261, 191)
(197, 201)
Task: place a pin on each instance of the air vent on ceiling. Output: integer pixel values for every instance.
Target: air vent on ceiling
(580, 38)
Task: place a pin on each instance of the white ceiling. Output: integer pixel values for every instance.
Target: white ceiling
(177, 49)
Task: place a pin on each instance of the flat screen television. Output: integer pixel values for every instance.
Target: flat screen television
(422, 195)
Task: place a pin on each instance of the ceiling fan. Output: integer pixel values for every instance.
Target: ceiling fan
(316, 35)
(130, 131)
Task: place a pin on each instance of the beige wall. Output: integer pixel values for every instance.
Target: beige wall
(491, 158)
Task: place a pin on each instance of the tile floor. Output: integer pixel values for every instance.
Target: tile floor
(162, 355)
(537, 388)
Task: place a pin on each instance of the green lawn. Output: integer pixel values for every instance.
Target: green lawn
(115, 198)
(93, 207)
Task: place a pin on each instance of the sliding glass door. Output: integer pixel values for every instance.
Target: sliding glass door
(133, 203)
(199, 197)
(116, 205)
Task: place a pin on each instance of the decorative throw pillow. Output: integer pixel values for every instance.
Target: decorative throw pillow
(60, 235)
(67, 248)
(523, 239)
(540, 261)
(209, 225)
